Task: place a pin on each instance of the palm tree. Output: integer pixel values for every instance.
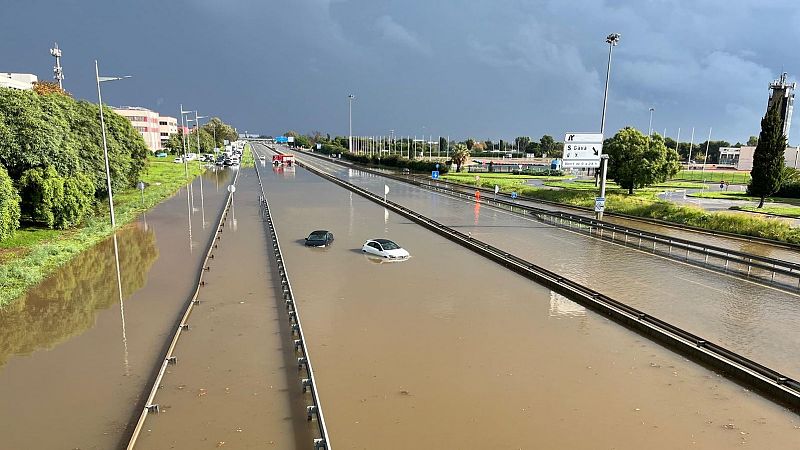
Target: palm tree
(460, 155)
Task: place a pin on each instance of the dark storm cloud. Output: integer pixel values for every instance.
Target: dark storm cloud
(488, 68)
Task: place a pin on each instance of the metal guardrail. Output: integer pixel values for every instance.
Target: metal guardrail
(664, 223)
(183, 324)
(769, 382)
(308, 382)
(732, 262)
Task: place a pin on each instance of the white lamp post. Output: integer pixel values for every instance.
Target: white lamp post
(612, 40)
(105, 145)
(350, 99)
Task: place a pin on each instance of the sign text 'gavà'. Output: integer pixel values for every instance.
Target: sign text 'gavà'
(582, 150)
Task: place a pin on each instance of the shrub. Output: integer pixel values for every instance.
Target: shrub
(9, 206)
(55, 201)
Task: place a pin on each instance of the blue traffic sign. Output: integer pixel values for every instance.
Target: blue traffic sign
(435, 174)
(514, 195)
(281, 139)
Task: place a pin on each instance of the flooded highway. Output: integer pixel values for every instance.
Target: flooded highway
(756, 321)
(235, 382)
(74, 359)
(754, 247)
(450, 350)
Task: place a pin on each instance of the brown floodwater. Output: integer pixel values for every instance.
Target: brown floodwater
(727, 242)
(235, 384)
(74, 360)
(449, 350)
(754, 320)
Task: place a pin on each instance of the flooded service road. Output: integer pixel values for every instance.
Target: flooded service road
(732, 243)
(756, 321)
(235, 383)
(74, 360)
(449, 350)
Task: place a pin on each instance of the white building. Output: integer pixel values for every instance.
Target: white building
(167, 126)
(22, 81)
(741, 158)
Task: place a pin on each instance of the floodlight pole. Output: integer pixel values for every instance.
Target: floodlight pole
(612, 40)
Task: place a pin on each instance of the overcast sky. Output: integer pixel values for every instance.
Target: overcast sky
(488, 69)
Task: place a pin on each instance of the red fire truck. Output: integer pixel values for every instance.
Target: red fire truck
(283, 160)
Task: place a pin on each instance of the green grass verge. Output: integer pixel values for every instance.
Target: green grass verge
(495, 175)
(33, 253)
(247, 156)
(644, 203)
(714, 176)
(784, 211)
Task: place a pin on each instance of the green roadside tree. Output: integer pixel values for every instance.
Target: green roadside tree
(460, 155)
(469, 143)
(752, 141)
(634, 161)
(53, 200)
(768, 158)
(220, 130)
(9, 205)
(547, 144)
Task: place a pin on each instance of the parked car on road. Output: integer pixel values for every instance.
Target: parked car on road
(385, 249)
(319, 238)
(161, 155)
(178, 160)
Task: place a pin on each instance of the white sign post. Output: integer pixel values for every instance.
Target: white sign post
(599, 204)
(582, 150)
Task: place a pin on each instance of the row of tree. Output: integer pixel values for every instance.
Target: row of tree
(52, 168)
(213, 134)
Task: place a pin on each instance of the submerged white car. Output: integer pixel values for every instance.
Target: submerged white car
(384, 248)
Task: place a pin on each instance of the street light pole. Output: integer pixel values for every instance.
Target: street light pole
(350, 115)
(650, 126)
(612, 40)
(99, 80)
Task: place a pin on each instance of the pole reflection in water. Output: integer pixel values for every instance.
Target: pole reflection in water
(202, 202)
(121, 307)
(189, 215)
(385, 221)
(352, 213)
(233, 210)
(477, 212)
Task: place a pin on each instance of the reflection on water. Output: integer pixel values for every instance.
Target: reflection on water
(561, 306)
(65, 303)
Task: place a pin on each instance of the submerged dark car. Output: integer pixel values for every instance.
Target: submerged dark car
(319, 238)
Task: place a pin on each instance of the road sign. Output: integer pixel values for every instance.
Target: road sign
(437, 166)
(281, 139)
(435, 174)
(582, 150)
(514, 195)
(599, 204)
(319, 146)
(496, 189)
(290, 139)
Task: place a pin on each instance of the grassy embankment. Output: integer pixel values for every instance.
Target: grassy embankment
(783, 210)
(643, 203)
(714, 176)
(33, 253)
